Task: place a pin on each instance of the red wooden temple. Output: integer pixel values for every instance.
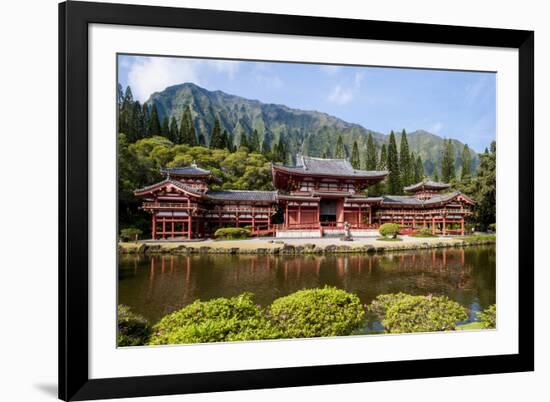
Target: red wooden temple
(317, 197)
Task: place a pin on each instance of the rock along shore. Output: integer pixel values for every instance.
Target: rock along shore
(289, 247)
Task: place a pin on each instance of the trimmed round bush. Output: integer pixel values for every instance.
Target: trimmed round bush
(488, 317)
(423, 314)
(389, 229)
(381, 303)
(130, 234)
(133, 329)
(231, 233)
(317, 312)
(217, 320)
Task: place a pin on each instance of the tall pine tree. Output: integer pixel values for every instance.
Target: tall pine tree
(174, 133)
(485, 188)
(154, 124)
(146, 113)
(137, 127)
(254, 141)
(165, 127)
(355, 160)
(394, 177)
(201, 140)
(466, 169)
(448, 162)
(244, 141)
(340, 152)
(370, 159)
(216, 140)
(405, 165)
(418, 170)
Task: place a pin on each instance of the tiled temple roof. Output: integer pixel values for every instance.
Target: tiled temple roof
(192, 170)
(168, 181)
(410, 200)
(328, 167)
(427, 185)
(243, 195)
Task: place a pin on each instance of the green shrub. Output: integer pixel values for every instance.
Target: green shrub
(317, 312)
(381, 303)
(130, 234)
(389, 229)
(423, 314)
(217, 320)
(133, 329)
(232, 233)
(488, 317)
(493, 227)
(423, 232)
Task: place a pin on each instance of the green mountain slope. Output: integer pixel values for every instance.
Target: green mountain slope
(310, 132)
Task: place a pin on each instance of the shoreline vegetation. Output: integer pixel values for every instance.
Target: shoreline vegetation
(307, 313)
(300, 246)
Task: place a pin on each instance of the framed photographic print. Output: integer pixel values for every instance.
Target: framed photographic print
(258, 201)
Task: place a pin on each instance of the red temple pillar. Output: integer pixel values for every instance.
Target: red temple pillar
(189, 223)
(444, 226)
(154, 224)
(433, 224)
(462, 226)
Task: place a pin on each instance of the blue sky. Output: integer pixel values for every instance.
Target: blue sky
(454, 104)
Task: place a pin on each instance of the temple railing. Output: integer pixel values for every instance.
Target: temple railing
(168, 205)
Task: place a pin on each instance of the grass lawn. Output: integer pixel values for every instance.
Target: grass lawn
(470, 326)
(480, 237)
(389, 239)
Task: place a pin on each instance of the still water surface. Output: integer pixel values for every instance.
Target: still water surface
(154, 286)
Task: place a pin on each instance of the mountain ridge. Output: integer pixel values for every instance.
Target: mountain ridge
(310, 132)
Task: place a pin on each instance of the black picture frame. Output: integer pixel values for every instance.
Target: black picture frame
(74, 18)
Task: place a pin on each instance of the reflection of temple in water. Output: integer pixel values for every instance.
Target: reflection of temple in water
(166, 282)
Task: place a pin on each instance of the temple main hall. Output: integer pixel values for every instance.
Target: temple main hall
(315, 198)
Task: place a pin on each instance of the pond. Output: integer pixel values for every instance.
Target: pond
(154, 286)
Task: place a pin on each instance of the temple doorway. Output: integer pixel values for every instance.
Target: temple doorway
(328, 210)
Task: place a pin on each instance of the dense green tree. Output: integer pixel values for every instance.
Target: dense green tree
(435, 175)
(125, 114)
(394, 177)
(340, 151)
(370, 158)
(173, 130)
(355, 160)
(405, 163)
(383, 161)
(448, 162)
(201, 140)
(466, 169)
(225, 140)
(165, 127)
(244, 140)
(137, 129)
(254, 141)
(154, 124)
(485, 188)
(146, 114)
(119, 96)
(266, 143)
(418, 170)
(187, 129)
(216, 140)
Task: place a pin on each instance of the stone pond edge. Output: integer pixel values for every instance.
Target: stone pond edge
(288, 249)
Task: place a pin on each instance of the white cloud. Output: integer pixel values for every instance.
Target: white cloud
(436, 127)
(264, 76)
(147, 75)
(330, 70)
(341, 94)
